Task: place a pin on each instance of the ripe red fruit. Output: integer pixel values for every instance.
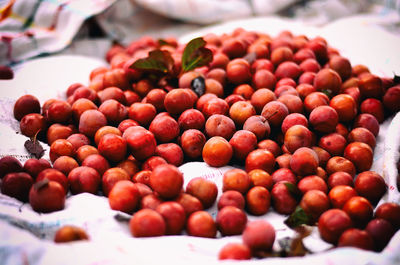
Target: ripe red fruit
(147, 223)
(47, 196)
(124, 196)
(167, 181)
(201, 224)
(332, 224)
(259, 235)
(217, 151)
(231, 220)
(174, 216)
(17, 185)
(235, 251)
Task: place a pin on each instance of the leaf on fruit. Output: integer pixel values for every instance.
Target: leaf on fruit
(297, 218)
(158, 62)
(327, 92)
(293, 190)
(292, 247)
(396, 79)
(34, 148)
(40, 184)
(162, 42)
(196, 55)
(250, 57)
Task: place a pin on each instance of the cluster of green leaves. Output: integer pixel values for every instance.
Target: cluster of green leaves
(160, 62)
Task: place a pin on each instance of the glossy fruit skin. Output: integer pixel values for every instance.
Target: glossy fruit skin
(174, 216)
(171, 152)
(84, 179)
(61, 147)
(34, 166)
(345, 106)
(90, 121)
(24, 105)
(390, 212)
(315, 203)
(234, 251)
(360, 154)
(282, 200)
(17, 185)
(332, 224)
(354, 237)
(113, 147)
(165, 129)
(68, 233)
(203, 189)
(391, 99)
(259, 235)
(381, 232)
(9, 164)
(112, 176)
(192, 142)
(54, 175)
(32, 124)
(217, 151)
(124, 196)
(328, 79)
(189, 203)
(167, 181)
(147, 223)
(220, 125)
(98, 162)
(48, 198)
(258, 200)
(359, 209)
(304, 161)
(340, 194)
(177, 101)
(231, 198)
(236, 179)
(370, 185)
(324, 119)
(65, 164)
(141, 143)
(231, 220)
(201, 224)
(260, 159)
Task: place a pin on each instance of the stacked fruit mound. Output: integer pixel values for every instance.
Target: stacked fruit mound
(297, 120)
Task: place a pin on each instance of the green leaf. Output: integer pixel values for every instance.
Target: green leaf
(159, 62)
(327, 92)
(40, 184)
(297, 218)
(250, 57)
(196, 55)
(162, 42)
(396, 79)
(293, 190)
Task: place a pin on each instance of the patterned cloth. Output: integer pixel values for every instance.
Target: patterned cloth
(29, 28)
(32, 27)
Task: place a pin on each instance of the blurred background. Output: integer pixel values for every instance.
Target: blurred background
(29, 28)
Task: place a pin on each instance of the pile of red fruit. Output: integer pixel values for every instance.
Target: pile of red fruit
(291, 111)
